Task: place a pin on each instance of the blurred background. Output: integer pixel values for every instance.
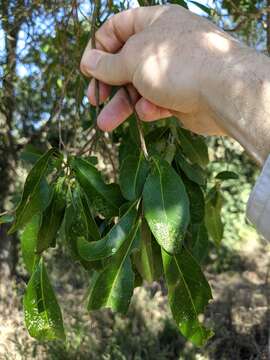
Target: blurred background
(43, 102)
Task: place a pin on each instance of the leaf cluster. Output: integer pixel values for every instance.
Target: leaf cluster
(154, 223)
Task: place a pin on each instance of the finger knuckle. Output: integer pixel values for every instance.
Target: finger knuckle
(84, 67)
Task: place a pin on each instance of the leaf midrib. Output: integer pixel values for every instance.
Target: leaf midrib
(162, 197)
(215, 220)
(103, 241)
(107, 199)
(190, 145)
(29, 197)
(136, 175)
(147, 243)
(42, 293)
(122, 262)
(189, 294)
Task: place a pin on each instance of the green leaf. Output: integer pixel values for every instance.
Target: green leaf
(198, 242)
(170, 153)
(157, 134)
(148, 259)
(179, 2)
(124, 208)
(59, 83)
(31, 154)
(192, 171)
(92, 159)
(213, 220)
(196, 201)
(157, 140)
(133, 173)
(127, 148)
(227, 175)
(194, 147)
(104, 198)
(111, 242)
(52, 217)
(141, 3)
(166, 206)
(92, 228)
(73, 229)
(6, 218)
(114, 286)
(42, 313)
(36, 205)
(35, 197)
(28, 240)
(138, 280)
(189, 293)
(133, 130)
(76, 226)
(204, 8)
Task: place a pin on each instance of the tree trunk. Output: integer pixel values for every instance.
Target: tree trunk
(8, 149)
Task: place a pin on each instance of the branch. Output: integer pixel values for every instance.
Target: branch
(139, 125)
(93, 44)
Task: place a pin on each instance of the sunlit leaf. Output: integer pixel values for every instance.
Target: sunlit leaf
(42, 313)
(213, 220)
(37, 203)
(36, 193)
(28, 240)
(189, 293)
(166, 206)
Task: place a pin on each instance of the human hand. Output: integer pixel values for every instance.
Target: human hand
(170, 58)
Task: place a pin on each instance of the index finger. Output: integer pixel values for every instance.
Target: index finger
(113, 34)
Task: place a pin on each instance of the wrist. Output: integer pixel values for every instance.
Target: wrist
(240, 97)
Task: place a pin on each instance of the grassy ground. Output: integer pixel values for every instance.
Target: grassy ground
(239, 315)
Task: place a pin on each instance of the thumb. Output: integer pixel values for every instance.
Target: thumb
(109, 68)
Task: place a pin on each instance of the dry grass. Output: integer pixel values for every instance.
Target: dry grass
(239, 314)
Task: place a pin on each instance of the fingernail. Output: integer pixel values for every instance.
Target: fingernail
(102, 124)
(145, 108)
(92, 60)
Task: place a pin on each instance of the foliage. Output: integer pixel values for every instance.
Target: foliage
(163, 211)
(247, 19)
(155, 221)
